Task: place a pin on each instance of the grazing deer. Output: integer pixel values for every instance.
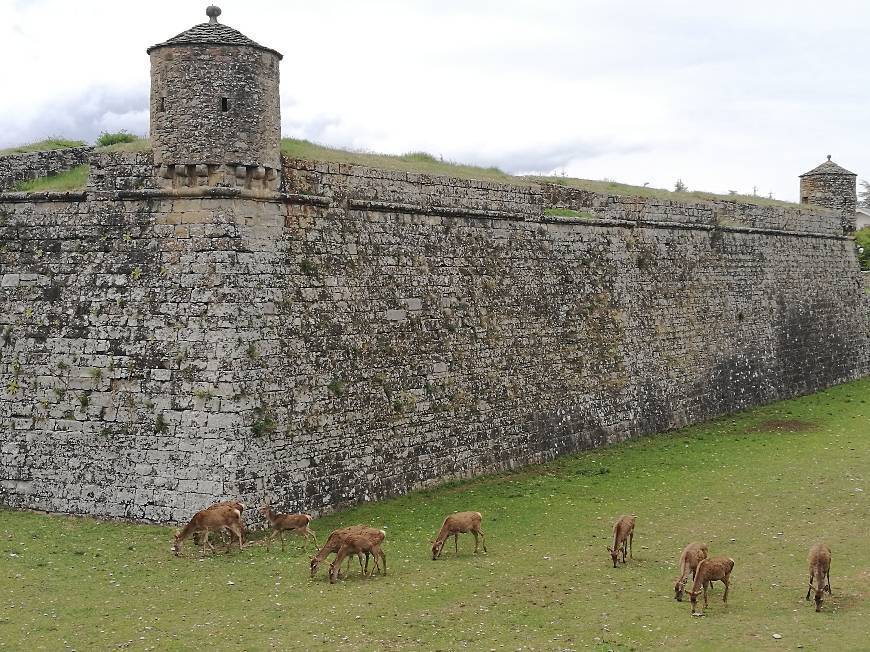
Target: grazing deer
(457, 524)
(237, 504)
(356, 544)
(709, 571)
(333, 544)
(689, 560)
(820, 571)
(297, 523)
(623, 537)
(213, 519)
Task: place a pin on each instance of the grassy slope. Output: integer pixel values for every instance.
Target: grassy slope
(421, 162)
(43, 146)
(73, 179)
(758, 493)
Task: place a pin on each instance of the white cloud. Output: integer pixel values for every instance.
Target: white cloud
(725, 95)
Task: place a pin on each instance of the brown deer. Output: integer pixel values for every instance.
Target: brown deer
(623, 537)
(213, 519)
(239, 505)
(689, 560)
(716, 569)
(297, 523)
(820, 571)
(333, 544)
(356, 544)
(456, 524)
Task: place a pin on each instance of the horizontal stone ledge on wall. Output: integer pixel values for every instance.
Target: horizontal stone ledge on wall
(24, 197)
(685, 226)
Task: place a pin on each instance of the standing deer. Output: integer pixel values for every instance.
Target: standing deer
(333, 544)
(709, 571)
(355, 544)
(692, 555)
(623, 538)
(457, 524)
(213, 519)
(820, 571)
(297, 523)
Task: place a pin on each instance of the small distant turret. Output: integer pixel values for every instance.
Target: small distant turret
(831, 186)
(215, 108)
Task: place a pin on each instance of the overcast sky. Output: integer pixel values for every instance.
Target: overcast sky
(725, 95)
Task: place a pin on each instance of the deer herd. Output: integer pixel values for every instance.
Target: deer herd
(365, 543)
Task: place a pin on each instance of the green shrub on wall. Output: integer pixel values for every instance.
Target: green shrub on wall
(862, 240)
(107, 138)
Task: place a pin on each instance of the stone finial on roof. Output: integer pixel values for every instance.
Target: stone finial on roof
(829, 157)
(213, 11)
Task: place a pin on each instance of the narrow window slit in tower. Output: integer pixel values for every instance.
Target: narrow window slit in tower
(225, 104)
(162, 105)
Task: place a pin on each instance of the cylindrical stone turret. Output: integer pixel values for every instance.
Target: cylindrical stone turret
(831, 186)
(215, 108)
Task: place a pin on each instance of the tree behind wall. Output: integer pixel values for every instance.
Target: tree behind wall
(864, 194)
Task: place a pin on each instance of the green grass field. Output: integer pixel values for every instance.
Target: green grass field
(760, 486)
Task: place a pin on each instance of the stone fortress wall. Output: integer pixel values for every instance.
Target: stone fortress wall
(365, 332)
(15, 168)
(207, 321)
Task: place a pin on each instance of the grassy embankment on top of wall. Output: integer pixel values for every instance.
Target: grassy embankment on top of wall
(421, 162)
(73, 179)
(45, 145)
(760, 486)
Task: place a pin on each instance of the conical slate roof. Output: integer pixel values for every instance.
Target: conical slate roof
(212, 33)
(828, 167)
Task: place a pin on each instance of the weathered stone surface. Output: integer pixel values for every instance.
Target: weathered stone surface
(161, 351)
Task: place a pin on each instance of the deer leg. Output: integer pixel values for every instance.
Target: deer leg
(828, 585)
(313, 536)
(631, 544)
(206, 542)
(725, 597)
(238, 532)
(281, 534)
(705, 597)
(810, 589)
(335, 568)
(456, 542)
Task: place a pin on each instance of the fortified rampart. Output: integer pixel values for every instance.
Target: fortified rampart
(204, 321)
(377, 331)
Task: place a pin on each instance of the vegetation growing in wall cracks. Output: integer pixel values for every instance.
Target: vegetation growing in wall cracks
(862, 241)
(264, 423)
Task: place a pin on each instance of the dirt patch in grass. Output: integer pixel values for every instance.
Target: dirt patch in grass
(786, 425)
